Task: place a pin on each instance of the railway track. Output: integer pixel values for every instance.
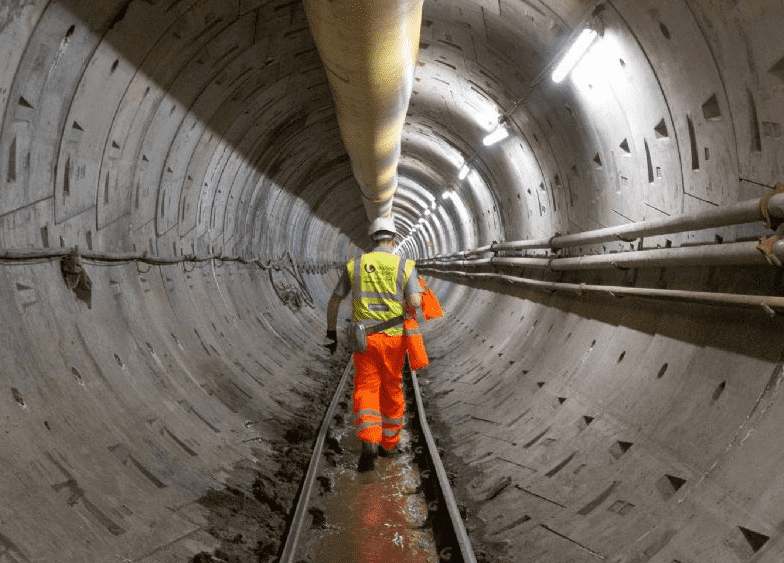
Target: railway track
(402, 511)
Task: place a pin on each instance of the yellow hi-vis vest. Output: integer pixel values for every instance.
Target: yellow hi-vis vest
(377, 283)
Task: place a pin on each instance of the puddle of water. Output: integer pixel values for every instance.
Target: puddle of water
(376, 517)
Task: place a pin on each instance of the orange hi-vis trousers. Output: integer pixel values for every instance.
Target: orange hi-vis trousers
(379, 404)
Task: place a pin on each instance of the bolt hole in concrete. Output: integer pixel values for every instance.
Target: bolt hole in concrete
(18, 397)
(719, 390)
(585, 421)
(669, 485)
(756, 540)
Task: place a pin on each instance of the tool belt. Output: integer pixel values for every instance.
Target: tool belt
(357, 333)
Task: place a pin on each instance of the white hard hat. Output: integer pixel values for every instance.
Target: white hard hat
(382, 228)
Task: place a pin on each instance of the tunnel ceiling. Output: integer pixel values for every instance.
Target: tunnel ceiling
(185, 126)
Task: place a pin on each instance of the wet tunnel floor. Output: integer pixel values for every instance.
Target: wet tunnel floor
(374, 517)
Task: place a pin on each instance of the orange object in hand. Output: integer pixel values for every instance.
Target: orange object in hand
(431, 308)
(415, 344)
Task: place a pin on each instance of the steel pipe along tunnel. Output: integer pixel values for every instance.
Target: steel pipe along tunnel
(139, 398)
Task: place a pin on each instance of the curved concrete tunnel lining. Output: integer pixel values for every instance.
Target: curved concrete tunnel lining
(170, 362)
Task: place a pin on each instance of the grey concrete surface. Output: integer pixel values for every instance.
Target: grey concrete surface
(582, 429)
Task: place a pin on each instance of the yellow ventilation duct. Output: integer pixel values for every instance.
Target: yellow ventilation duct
(369, 48)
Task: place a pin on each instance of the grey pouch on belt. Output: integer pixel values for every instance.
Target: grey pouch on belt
(357, 333)
(356, 337)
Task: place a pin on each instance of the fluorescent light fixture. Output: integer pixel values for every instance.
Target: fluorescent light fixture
(464, 172)
(599, 68)
(484, 110)
(434, 205)
(498, 135)
(573, 55)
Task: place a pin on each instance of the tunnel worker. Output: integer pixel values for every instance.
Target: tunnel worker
(381, 283)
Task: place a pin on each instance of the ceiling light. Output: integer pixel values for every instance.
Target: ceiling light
(498, 135)
(573, 54)
(464, 171)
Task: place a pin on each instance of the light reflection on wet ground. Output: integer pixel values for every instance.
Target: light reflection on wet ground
(375, 517)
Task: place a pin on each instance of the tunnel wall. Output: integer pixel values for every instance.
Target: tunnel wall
(121, 416)
(617, 430)
(620, 430)
(591, 429)
(129, 408)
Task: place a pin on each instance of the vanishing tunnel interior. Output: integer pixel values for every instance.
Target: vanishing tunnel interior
(580, 428)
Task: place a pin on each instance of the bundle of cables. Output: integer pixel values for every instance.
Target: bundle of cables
(284, 274)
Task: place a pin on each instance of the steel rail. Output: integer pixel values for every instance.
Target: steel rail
(767, 303)
(463, 541)
(289, 550)
(298, 520)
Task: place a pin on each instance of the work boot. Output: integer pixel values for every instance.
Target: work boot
(367, 459)
(388, 453)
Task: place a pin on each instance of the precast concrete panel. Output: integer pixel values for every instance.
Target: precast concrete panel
(32, 224)
(550, 194)
(234, 211)
(644, 141)
(234, 166)
(748, 51)
(209, 145)
(41, 92)
(175, 182)
(704, 128)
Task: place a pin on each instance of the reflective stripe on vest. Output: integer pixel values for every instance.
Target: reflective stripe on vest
(378, 280)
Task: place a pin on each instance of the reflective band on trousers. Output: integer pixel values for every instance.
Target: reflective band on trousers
(371, 424)
(366, 412)
(391, 426)
(378, 280)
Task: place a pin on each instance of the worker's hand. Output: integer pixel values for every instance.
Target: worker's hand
(332, 346)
